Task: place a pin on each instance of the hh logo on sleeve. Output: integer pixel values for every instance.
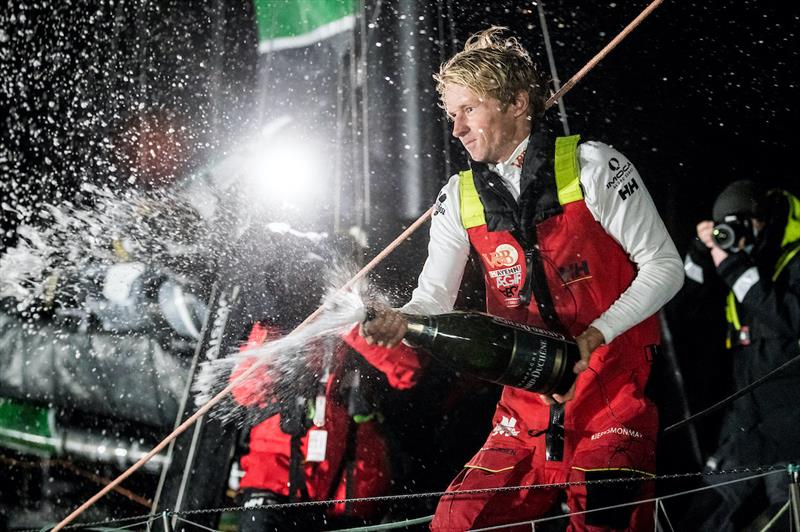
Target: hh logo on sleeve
(629, 188)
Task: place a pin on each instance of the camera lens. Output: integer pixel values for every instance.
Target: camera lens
(724, 235)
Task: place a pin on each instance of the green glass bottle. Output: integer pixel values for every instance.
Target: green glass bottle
(498, 350)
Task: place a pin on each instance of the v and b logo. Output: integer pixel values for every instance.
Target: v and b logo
(628, 189)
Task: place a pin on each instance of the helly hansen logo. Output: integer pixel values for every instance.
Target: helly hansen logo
(629, 188)
(251, 503)
(506, 427)
(574, 272)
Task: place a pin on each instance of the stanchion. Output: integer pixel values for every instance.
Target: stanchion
(794, 493)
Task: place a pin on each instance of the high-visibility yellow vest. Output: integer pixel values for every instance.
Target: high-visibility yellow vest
(568, 183)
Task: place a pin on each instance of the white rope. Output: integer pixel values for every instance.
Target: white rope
(622, 505)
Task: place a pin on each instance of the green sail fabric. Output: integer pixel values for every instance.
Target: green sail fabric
(284, 24)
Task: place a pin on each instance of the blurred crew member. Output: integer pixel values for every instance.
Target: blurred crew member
(760, 265)
(317, 433)
(322, 437)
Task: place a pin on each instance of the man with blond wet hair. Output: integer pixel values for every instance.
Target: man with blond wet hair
(568, 238)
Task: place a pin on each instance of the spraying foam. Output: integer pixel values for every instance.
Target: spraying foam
(287, 363)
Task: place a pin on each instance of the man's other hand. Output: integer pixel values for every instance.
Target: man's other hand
(587, 341)
(386, 329)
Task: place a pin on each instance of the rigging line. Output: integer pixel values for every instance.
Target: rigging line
(623, 505)
(198, 525)
(190, 460)
(655, 517)
(337, 164)
(724, 402)
(562, 110)
(666, 516)
(144, 519)
(386, 251)
(185, 398)
(675, 368)
(385, 498)
(365, 138)
(388, 526)
(353, 64)
(770, 470)
(727, 482)
(442, 59)
(777, 516)
(376, 13)
(145, 522)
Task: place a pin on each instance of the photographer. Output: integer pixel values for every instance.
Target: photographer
(752, 247)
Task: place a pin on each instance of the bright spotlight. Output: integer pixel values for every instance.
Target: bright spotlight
(287, 175)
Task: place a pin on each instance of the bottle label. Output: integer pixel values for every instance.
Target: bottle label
(529, 328)
(538, 364)
(529, 367)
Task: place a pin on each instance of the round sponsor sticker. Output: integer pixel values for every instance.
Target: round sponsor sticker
(505, 255)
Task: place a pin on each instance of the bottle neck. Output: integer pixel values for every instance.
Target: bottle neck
(421, 330)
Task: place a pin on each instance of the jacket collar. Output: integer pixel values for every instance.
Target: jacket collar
(538, 198)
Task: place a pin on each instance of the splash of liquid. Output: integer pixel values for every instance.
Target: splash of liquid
(289, 367)
(80, 240)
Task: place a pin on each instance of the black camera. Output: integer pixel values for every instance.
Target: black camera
(731, 230)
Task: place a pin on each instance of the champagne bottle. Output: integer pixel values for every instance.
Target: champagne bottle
(498, 350)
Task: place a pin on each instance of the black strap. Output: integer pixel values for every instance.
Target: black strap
(347, 462)
(554, 439)
(350, 465)
(536, 285)
(297, 476)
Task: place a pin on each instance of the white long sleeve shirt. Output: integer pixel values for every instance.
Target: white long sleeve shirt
(632, 221)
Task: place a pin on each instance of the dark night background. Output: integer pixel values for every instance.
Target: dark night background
(697, 96)
(700, 94)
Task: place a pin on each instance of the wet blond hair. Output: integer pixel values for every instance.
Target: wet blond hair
(496, 66)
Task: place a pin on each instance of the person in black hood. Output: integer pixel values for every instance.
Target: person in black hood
(753, 247)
